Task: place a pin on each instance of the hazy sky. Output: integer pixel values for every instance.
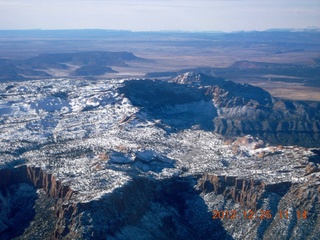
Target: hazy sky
(136, 15)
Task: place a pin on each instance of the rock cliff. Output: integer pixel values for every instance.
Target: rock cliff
(292, 208)
(146, 206)
(19, 184)
(139, 159)
(142, 206)
(228, 108)
(38, 178)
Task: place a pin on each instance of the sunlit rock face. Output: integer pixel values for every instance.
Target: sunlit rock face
(144, 159)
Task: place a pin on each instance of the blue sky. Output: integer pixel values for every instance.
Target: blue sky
(143, 15)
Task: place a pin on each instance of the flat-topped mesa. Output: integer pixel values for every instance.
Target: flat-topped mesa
(88, 64)
(247, 192)
(245, 109)
(228, 108)
(38, 178)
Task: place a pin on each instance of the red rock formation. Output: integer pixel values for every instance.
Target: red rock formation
(247, 192)
(49, 183)
(37, 177)
(51, 186)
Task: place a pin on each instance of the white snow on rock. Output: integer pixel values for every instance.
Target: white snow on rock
(120, 158)
(91, 137)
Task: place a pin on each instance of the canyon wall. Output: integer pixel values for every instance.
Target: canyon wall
(36, 177)
(171, 208)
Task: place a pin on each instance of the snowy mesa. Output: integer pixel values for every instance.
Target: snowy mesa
(96, 137)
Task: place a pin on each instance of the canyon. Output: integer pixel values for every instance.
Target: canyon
(153, 159)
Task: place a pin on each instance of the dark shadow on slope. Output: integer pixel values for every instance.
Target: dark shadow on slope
(16, 209)
(179, 106)
(146, 208)
(27, 198)
(315, 158)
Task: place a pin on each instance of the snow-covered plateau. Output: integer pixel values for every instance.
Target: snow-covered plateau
(91, 138)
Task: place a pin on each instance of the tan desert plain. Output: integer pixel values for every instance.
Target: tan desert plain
(285, 63)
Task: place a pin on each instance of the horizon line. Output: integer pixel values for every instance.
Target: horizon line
(169, 31)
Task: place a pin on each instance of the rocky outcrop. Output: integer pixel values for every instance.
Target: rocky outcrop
(167, 209)
(247, 192)
(143, 205)
(230, 108)
(18, 198)
(245, 109)
(291, 124)
(293, 208)
(148, 206)
(123, 207)
(36, 177)
(312, 168)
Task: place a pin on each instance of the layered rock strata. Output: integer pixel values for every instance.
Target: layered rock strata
(228, 108)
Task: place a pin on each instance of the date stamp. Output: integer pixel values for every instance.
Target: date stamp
(260, 214)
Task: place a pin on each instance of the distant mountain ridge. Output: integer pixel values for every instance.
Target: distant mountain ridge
(306, 75)
(93, 63)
